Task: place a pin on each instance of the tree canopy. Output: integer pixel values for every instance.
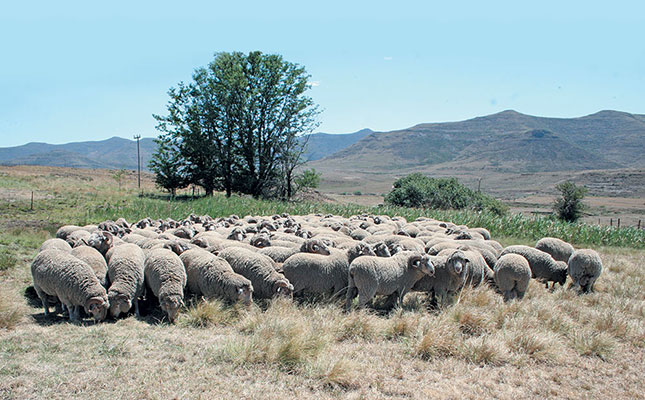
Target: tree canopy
(239, 125)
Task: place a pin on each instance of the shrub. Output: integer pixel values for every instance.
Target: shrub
(418, 190)
(568, 207)
(308, 179)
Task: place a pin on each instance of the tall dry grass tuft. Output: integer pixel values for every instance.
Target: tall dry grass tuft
(360, 324)
(485, 350)
(208, 313)
(12, 310)
(343, 374)
(593, 344)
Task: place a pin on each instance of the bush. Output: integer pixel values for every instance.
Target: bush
(569, 206)
(418, 190)
(308, 179)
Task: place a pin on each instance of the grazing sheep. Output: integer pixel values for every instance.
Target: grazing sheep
(512, 276)
(315, 273)
(371, 275)
(482, 231)
(381, 250)
(101, 241)
(94, 259)
(543, 266)
(585, 266)
(281, 254)
(237, 234)
(126, 275)
(66, 230)
(212, 277)
(55, 244)
(165, 276)
(260, 270)
(477, 271)
(60, 275)
(450, 276)
(78, 237)
(557, 248)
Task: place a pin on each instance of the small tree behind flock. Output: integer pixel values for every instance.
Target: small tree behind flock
(569, 207)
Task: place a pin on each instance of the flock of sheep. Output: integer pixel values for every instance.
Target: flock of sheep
(110, 266)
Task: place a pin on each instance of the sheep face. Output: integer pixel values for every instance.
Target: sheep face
(381, 250)
(119, 304)
(260, 241)
(171, 305)
(316, 247)
(245, 294)
(422, 263)
(101, 241)
(457, 263)
(237, 234)
(283, 288)
(176, 247)
(560, 275)
(97, 307)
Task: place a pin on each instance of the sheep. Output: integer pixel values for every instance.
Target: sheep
(543, 266)
(315, 273)
(126, 275)
(211, 276)
(394, 276)
(477, 270)
(60, 275)
(165, 276)
(101, 241)
(585, 266)
(94, 259)
(281, 254)
(260, 270)
(77, 237)
(55, 244)
(557, 248)
(450, 276)
(66, 230)
(512, 276)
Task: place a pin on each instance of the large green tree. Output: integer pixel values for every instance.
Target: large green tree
(238, 124)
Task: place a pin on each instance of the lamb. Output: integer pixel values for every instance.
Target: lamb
(281, 254)
(315, 273)
(126, 274)
(450, 276)
(212, 277)
(543, 266)
(59, 274)
(165, 276)
(94, 259)
(557, 248)
(371, 275)
(55, 244)
(585, 266)
(260, 270)
(512, 276)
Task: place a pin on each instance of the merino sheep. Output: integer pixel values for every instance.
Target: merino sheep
(66, 230)
(543, 266)
(450, 276)
(165, 276)
(260, 270)
(59, 274)
(585, 266)
(55, 244)
(94, 259)
(512, 276)
(101, 241)
(78, 237)
(557, 248)
(126, 276)
(372, 275)
(212, 277)
(315, 273)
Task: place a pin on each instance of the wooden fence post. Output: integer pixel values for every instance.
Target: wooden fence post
(32, 201)
(618, 226)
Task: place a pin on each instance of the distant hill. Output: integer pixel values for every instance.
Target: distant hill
(320, 145)
(505, 142)
(113, 153)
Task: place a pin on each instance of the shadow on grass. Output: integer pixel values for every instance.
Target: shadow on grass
(168, 197)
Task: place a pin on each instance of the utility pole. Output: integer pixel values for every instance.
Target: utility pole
(137, 137)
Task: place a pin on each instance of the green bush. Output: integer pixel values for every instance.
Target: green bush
(418, 190)
(569, 206)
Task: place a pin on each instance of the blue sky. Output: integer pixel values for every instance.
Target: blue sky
(76, 71)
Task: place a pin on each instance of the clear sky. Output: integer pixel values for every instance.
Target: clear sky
(76, 71)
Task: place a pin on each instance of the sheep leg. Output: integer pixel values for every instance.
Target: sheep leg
(352, 292)
(43, 299)
(136, 308)
(365, 296)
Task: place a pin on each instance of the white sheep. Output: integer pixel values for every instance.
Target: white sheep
(60, 275)
(585, 266)
(94, 259)
(165, 276)
(372, 275)
(557, 248)
(126, 276)
(512, 276)
(450, 276)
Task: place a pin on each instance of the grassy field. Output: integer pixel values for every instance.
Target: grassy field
(551, 344)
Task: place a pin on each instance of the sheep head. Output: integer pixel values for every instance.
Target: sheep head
(119, 303)
(171, 305)
(245, 294)
(457, 263)
(381, 250)
(97, 307)
(283, 288)
(422, 262)
(315, 246)
(260, 240)
(101, 241)
(560, 274)
(237, 234)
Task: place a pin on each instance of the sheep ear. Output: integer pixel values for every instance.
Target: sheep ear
(94, 302)
(109, 237)
(415, 261)
(84, 242)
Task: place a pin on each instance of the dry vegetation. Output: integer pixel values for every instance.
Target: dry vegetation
(551, 344)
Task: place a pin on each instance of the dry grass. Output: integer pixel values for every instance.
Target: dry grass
(550, 344)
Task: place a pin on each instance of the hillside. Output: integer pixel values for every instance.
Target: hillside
(506, 141)
(320, 145)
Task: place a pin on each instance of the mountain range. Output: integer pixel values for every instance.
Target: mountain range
(504, 142)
